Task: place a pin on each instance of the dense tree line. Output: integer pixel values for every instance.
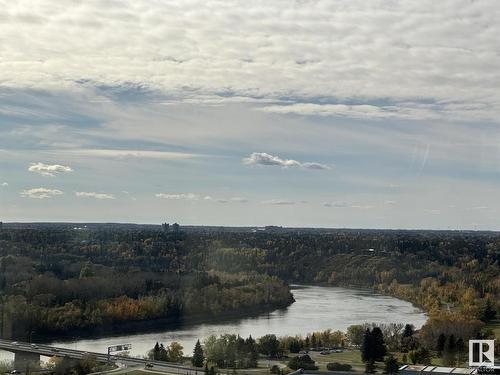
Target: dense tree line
(59, 281)
(59, 278)
(231, 351)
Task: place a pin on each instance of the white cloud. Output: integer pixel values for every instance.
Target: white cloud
(406, 110)
(189, 196)
(238, 200)
(343, 49)
(361, 206)
(262, 158)
(41, 193)
(231, 200)
(336, 204)
(279, 202)
(4, 184)
(356, 111)
(390, 203)
(48, 170)
(355, 205)
(128, 154)
(85, 194)
(195, 197)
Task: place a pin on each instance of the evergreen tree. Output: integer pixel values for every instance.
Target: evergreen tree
(391, 365)
(440, 343)
(198, 355)
(488, 313)
(314, 343)
(380, 349)
(452, 343)
(294, 346)
(367, 346)
(449, 352)
(162, 354)
(156, 351)
(241, 353)
(253, 354)
(373, 347)
(408, 331)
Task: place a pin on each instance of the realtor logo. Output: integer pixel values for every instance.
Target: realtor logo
(481, 353)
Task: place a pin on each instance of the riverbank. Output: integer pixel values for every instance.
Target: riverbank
(157, 325)
(316, 309)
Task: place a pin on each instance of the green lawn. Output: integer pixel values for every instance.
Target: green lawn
(350, 357)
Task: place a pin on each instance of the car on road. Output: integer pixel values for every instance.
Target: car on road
(15, 372)
(149, 365)
(34, 346)
(15, 343)
(55, 350)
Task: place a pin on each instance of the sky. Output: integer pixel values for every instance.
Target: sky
(326, 113)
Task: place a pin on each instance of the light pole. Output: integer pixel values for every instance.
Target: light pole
(31, 336)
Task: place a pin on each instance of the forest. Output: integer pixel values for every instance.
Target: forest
(55, 282)
(57, 279)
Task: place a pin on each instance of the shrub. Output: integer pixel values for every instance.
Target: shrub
(274, 369)
(303, 361)
(335, 366)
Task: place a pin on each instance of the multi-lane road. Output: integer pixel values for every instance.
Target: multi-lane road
(50, 351)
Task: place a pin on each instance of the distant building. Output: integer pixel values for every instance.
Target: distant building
(431, 370)
(166, 227)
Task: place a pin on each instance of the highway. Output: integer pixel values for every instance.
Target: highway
(50, 351)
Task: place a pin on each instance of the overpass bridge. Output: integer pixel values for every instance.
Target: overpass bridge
(26, 353)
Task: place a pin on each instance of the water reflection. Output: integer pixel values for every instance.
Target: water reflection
(316, 308)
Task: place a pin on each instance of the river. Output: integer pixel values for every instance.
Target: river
(316, 308)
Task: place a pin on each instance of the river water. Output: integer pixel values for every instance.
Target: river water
(316, 308)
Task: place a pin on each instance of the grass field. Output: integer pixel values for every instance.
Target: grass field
(350, 357)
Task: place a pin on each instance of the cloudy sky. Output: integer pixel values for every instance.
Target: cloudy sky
(333, 113)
